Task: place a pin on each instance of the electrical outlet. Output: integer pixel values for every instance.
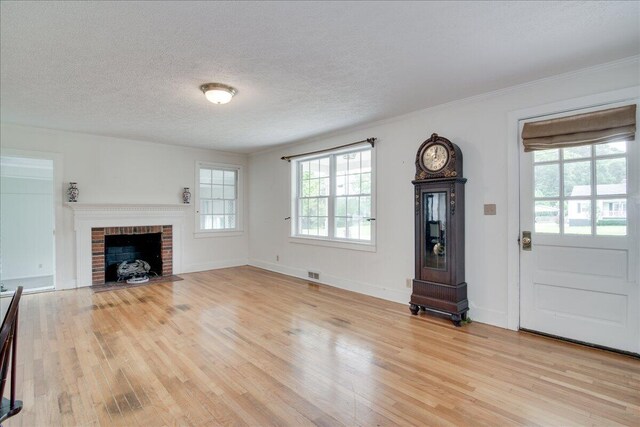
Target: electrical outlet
(409, 283)
(313, 275)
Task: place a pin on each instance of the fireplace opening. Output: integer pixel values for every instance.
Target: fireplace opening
(130, 248)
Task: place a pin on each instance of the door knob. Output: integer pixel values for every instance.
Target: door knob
(526, 240)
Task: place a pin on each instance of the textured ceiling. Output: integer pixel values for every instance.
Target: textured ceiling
(132, 69)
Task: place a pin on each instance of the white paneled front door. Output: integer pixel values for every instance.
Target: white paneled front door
(579, 278)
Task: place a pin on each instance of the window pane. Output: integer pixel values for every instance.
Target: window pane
(304, 207)
(323, 208)
(323, 226)
(365, 230)
(206, 207)
(217, 176)
(341, 185)
(547, 217)
(341, 227)
(313, 207)
(314, 168)
(218, 222)
(306, 188)
(353, 206)
(205, 176)
(366, 183)
(217, 207)
(546, 155)
(325, 167)
(577, 217)
(323, 189)
(354, 162)
(216, 191)
(611, 217)
(576, 152)
(229, 177)
(205, 191)
(353, 228)
(341, 206)
(230, 206)
(611, 176)
(366, 161)
(341, 164)
(303, 225)
(305, 170)
(206, 222)
(312, 223)
(230, 221)
(547, 180)
(229, 192)
(354, 184)
(365, 206)
(314, 187)
(619, 147)
(577, 179)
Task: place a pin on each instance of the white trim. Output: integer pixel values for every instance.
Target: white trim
(25, 291)
(513, 180)
(107, 208)
(239, 230)
(90, 215)
(399, 296)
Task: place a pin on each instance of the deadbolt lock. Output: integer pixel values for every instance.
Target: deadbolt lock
(526, 240)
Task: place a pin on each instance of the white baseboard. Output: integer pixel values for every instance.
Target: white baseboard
(214, 265)
(394, 295)
(488, 316)
(478, 314)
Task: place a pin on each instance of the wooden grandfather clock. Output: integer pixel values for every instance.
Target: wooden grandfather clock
(439, 284)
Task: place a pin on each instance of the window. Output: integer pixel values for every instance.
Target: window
(582, 190)
(218, 198)
(334, 196)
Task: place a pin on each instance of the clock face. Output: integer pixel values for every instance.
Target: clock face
(435, 157)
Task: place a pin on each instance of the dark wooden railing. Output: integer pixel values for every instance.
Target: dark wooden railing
(8, 348)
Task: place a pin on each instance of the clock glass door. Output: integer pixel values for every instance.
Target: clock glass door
(435, 230)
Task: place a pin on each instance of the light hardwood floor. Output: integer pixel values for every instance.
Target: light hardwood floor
(243, 346)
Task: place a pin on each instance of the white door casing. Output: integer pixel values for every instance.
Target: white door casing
(579, 286)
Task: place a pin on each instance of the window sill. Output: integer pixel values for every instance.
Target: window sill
(365, 247)
(221, 233)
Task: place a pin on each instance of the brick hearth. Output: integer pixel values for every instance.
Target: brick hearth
(97, 247)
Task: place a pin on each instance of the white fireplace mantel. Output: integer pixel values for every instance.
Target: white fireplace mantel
(94, 215)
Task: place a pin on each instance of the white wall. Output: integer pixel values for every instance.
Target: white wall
(480, 127)
(112, 170)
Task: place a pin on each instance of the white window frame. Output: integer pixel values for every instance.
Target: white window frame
(329, 241)
(228, 232)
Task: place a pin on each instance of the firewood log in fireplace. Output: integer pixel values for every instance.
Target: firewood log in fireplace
(129, 269)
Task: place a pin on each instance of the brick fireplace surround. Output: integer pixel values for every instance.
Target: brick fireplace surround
(97, 247)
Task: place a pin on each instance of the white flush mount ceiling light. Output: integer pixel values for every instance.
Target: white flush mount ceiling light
(218, 93)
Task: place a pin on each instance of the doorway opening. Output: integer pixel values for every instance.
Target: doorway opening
(27, 246)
